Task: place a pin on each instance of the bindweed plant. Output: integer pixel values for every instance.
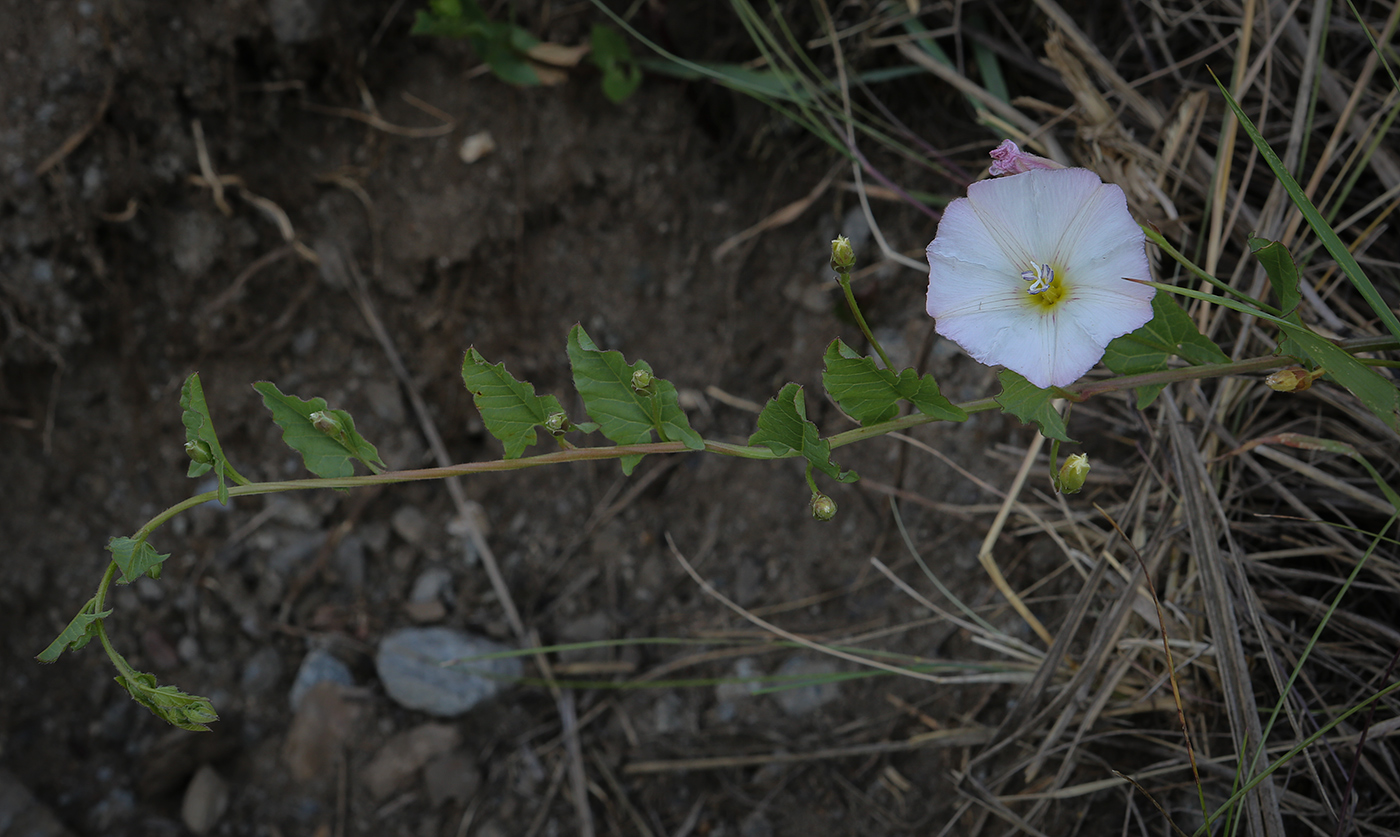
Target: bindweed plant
(1040, 269)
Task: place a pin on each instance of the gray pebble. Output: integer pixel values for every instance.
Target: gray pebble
(319, 666)
(410, 665)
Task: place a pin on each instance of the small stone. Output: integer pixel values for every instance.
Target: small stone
(324, 721)
(295, 21)
(262, 672)
(405, 754)
(410, 665)
(755, 825)
(22, 813)
(319, 666)
(386, 400)
(476, 146)
(801, 700)
(430, 585)
(350, 561)
(425, 613)
(410, 524)
(206, 800)
(452, 776)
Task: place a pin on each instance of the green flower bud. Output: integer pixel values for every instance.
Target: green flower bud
(1292, 379)
(1073, 473)
(199, 452)
(328, 424)
(823, 507)
(843, 258)
(643, 382)
(558, 423)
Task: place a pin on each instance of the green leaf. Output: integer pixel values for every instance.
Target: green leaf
(199, 427)
(871, 395)
(1150, 348)
(612, 55)
(190, 712)
(625, 415)
(81, 631)
(1282, 270)
(510, 408)
(326, 454)
(1319, 225)
(1031, 405)
(1378, 395)
(784, 429)
(135, 558)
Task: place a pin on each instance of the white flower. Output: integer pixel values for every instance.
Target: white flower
(1029, 272)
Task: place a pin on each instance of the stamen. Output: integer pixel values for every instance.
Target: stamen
(1040, 280)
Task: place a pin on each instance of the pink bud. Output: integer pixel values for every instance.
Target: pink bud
(1008, 158)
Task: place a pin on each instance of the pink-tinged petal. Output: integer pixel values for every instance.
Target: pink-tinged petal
(1008, 158)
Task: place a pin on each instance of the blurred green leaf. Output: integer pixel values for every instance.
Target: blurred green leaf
(325, 454)
(135, 558)
(1169, 333)
(1031, 405)
(502, 46)
(612, 56)
(624, 414)
(784, 429)
(80, 631)
(871, 395)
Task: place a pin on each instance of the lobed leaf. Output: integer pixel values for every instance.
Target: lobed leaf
(510, 408)
(199, 427)
(191, 712)
(624, 415)
(80, 631)
(784, 429)
(1150, 348)
(135, 558)
(1031, 405)
(325, 455)
(871, 395)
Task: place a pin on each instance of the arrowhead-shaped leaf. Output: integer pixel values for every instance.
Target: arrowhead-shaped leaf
(199, 427)
(625, 415)
(784, 429)
(510, 408)
(1150, 348)
(135, 559)
(325, 455)
(81, 631)
(1031, 405)
(871, 395)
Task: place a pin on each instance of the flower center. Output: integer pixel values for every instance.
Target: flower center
(1045, 287)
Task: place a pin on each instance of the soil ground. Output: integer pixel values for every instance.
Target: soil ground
(120, 275)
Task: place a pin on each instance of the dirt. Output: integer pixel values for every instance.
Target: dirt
(120, 275)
